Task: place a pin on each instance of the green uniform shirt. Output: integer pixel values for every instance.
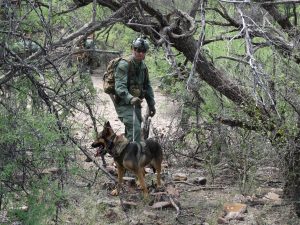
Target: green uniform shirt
(138, 87)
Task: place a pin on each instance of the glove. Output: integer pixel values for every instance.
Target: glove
(152, 111)
(135, 101)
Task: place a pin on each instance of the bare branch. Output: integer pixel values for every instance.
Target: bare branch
(225, 15)
(259, 76)
(199, 44)
(233, 59)
(238, 123)
(222, 38)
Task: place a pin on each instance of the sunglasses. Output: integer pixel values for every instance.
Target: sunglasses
(140, 50)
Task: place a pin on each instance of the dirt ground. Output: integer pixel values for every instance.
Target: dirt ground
(182, 201)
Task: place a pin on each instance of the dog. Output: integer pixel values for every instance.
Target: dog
(130, 156)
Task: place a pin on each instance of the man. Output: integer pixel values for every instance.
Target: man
(132, 85)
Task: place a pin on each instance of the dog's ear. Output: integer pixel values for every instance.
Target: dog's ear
(106, 129)
(107, 124)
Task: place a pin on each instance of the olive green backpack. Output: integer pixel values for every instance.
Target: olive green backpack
(109, 76)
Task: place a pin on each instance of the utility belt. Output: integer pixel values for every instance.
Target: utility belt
(135, 91)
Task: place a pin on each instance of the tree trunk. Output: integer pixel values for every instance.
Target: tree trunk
(292, 185)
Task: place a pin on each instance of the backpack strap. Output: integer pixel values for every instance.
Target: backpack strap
(130, 70)
(146, 80)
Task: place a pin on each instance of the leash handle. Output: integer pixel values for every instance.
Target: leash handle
(134, 115)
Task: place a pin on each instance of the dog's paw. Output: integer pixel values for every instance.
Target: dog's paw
(138, 184)
(114, 192)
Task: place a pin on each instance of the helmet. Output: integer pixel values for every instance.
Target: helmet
(140, 44)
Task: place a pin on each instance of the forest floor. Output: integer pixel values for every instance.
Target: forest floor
(179, 201)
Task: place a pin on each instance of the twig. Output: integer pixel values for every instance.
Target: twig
(206, 188)
(184, 182)
(175, 206)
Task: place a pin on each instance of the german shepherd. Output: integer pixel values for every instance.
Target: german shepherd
(130, 156)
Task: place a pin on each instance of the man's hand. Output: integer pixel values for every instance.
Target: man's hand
(135, 101)
(152, 110)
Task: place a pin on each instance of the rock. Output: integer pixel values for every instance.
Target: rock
(235, 207)
(179, 177)
(234, 211)
(200, 181)
(272, 197)
(221, 220)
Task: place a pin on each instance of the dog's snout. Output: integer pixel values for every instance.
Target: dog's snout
(95, 145)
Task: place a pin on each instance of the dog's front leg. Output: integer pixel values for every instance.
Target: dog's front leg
(103, 160)
(121, 172)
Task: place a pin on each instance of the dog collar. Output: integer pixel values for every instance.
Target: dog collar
(110, 143)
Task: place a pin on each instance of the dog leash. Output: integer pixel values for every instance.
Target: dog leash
(133, 132)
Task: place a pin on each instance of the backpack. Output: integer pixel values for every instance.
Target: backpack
(109, 75)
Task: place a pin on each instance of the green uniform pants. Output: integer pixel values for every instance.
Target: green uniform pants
(125, 114)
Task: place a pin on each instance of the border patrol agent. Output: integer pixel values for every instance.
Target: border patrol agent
(132, 85)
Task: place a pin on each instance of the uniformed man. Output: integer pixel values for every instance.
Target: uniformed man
(132, 85)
